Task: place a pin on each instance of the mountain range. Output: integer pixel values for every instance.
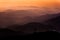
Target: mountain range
(32, 28)
(22, 17)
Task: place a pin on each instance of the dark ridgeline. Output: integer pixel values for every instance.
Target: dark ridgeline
(37, 27)
(55, 23)
(5, 30)
(30, 27)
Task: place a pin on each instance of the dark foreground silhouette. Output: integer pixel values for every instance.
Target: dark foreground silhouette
(8, 34)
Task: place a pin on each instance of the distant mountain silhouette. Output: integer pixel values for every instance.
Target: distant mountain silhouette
(30, 27)
(5, 30)
(55, 23)
(8, 32)
(33, 24)
(36, 25)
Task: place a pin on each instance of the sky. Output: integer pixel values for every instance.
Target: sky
(26, 4)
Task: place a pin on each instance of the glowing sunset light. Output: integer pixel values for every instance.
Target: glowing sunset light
(17, 4)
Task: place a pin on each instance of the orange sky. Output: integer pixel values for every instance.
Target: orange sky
(16, 4)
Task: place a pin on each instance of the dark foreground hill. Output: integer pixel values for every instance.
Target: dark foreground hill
(35, 35)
